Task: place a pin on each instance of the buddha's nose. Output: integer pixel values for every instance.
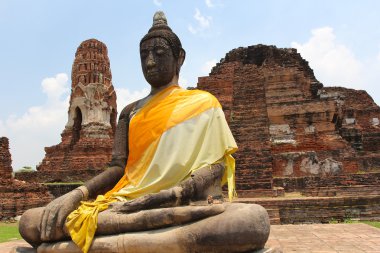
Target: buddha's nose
(150, 61)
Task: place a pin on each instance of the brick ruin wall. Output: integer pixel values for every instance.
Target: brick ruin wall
(78, 164)
(64, 176)
(17, 196)
(5, 159)
(287, 125)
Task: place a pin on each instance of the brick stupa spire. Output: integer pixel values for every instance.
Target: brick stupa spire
(88, 136)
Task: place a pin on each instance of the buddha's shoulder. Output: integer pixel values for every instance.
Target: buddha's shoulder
(128, 109)
(201, 93)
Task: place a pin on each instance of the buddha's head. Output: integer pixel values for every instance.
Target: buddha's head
(161, 53)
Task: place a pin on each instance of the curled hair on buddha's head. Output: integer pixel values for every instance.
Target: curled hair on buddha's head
(160, 29)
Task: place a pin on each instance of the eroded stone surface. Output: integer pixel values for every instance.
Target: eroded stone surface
(218, 233)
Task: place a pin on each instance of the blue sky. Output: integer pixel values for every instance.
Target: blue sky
(340, 39)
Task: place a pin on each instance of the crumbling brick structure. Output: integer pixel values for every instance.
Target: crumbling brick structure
(87, 139)
(17, 196)
(287, 125)
(5, 159)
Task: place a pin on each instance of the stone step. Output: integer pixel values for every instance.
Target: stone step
(274, 216)
(319, 209)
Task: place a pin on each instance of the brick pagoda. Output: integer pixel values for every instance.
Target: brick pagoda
(87, 139)
(291, 131)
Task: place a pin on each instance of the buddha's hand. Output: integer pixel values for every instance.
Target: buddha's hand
(165, 198)
(141, 203)
(55, 213)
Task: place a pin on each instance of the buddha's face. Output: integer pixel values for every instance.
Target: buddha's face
(158, 62)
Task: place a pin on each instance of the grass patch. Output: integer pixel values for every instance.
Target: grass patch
(375, 224)
(9, 231)
(335, 221)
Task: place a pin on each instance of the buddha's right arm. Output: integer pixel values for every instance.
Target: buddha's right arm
(105, 181)
(203, 183)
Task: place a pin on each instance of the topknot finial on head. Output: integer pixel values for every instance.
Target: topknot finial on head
(159, 18)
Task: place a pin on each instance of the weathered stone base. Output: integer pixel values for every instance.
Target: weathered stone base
(319, 209)
(32, 250)
(240, 228)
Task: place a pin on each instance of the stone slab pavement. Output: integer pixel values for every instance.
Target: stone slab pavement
(325, 238)
(310, 238)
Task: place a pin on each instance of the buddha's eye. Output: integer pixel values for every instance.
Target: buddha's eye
(160, 51)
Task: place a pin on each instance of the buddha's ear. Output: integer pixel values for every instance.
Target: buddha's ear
(181, 57)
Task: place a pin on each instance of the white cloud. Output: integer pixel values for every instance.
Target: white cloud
(3, 130)
(214, 3)
(55, 87)
(207, 66)
(192, 29)
(335, 64)
(40, 126)
(157, 2)
(125, 97)
(203, 22)
(183, 82)
(209, 3)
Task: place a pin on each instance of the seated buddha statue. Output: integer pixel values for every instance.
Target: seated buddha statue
(163, 189)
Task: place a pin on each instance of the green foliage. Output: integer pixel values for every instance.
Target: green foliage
(333, 221)
(9, 231)
(26, 169)
(349, 221)
(375, 224)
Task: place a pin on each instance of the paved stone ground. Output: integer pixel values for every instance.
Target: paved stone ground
(313, 238)
(325, 238)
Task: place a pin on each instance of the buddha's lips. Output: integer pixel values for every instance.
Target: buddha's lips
(151, 73)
